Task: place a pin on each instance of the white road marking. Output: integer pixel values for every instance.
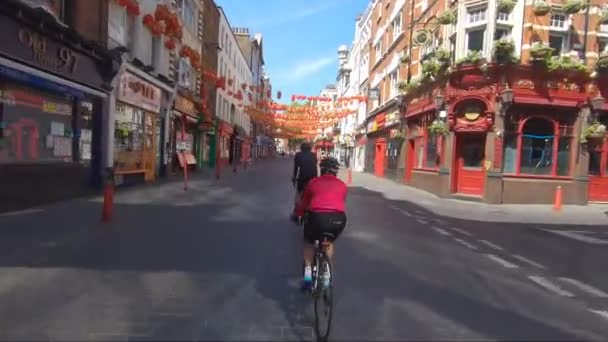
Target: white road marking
(602, 313)
(404, 212)
(440, 221)
(421, 221)
(575, 235)
(21, 212)
(466, 244)
(463, 232)
(501, 261)
(546, 284)
(528, 261)
(585, 287)
(491, 245)
(441, 231)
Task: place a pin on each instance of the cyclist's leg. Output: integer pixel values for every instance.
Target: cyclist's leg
(308, 246)
(333, 223)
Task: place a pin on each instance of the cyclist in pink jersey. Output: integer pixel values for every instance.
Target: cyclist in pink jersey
(324, 204)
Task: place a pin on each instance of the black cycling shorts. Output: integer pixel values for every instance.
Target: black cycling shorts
(316, 224)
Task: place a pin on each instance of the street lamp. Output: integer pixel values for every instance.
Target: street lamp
(595, 105)
(439, 101)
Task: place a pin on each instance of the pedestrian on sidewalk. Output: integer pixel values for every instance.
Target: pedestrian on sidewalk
(304, 169)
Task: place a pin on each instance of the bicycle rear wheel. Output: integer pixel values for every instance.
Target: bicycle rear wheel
(323, 299)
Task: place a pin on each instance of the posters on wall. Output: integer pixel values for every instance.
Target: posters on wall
(62, 146)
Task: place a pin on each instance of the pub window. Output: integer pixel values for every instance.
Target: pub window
(475, 39)
(543, 146)
(431, 156)
(35, 126)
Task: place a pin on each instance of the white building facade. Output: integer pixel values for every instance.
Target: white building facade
(233, 66)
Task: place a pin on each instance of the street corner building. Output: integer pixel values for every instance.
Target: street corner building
(503, 120)
(54, 86)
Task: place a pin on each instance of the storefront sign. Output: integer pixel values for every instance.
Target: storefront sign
(556, 85)
(138, 92)
(392, 118)
(184, 105)
(47, 53)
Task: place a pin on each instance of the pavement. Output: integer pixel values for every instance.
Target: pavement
(221, 261)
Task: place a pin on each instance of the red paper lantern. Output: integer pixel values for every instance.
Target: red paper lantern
(149, 21)
(133, 8)
(170, 44)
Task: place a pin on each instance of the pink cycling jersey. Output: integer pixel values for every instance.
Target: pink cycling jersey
(326, 193)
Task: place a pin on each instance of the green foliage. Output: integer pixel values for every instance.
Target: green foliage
(566, 64)
(447, 18)
(602, 62)
(504, 51)
(472, 57)
(541, 8)
(438, 128)
(595, 130)
(506, 6)
(573, 6)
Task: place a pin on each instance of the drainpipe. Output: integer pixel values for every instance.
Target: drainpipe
(586, 33)
(109, 118)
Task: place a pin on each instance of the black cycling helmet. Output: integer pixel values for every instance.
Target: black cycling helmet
(305, 147)
(329, 165)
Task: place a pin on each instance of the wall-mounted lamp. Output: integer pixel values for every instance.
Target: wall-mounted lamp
(506, 100)
(595, 104)
(439, 101)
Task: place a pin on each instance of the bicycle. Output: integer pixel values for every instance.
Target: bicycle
(322, 292)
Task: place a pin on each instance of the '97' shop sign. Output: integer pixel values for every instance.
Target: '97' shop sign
(140, 93)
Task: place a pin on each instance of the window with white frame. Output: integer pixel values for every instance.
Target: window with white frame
(602, 44)
(394, 79)
(502, 32)
(397, 25)
(378, 50)
(558, 43)
(558, 21)
(187, 12)
(117, 28)
(503, 17)
(604, 28)
(475, 38)
(186, 73)
(477, 16)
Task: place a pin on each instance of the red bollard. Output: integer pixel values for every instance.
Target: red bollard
(108, 198)
(349, 176)
(557, 203)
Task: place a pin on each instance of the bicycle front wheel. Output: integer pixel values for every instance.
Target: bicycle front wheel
(323, 302)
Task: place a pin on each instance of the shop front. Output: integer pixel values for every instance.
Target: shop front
(224, 137)
(359, 151)
(52, 92)
(137, 129)
(185, 137)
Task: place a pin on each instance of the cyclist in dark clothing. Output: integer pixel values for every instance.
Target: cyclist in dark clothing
(304, 169)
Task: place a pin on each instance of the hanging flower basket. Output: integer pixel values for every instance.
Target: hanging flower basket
(504, 51)
(602, 63)
(443, 56)
(405, 59)
(604, 17)
(569, 66)
(438, 128)
(573, 6)
(541, 8)
(540, 50)
(447, 18)
(594, 131)
(506, 6)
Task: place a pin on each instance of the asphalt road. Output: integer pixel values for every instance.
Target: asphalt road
(222, 262)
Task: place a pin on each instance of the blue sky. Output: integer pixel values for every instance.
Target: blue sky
(301, 38)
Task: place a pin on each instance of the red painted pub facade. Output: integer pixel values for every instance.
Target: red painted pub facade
(509, 134)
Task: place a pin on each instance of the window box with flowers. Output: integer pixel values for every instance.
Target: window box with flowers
(573, 6)
(568, 66)
(541, 8)
(594, 131)
(410, 86)
(447, 18)
(473, 58)
(506, 6)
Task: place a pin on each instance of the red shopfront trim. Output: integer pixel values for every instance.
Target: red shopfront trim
(545, 102)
